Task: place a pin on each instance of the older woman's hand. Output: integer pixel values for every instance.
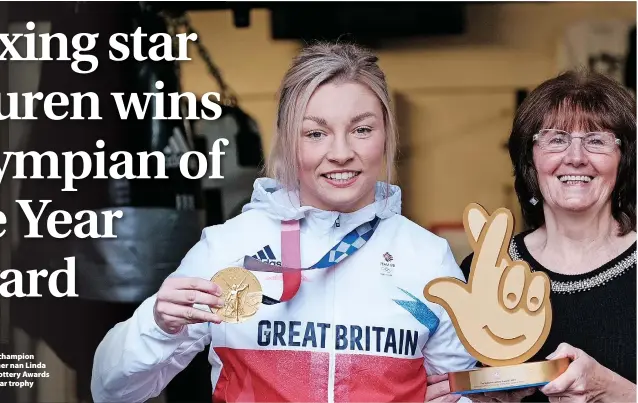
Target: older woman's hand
(510, 396)
(586, 380)
(439, 390)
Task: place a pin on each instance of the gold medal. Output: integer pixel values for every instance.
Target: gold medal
(241, 293)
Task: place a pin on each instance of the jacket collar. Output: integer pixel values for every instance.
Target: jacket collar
(283, 204)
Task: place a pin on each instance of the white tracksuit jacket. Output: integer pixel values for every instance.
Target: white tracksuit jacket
(358, 331)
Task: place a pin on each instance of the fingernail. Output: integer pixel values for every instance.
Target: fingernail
(549, 357)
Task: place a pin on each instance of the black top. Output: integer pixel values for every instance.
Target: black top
(594, 311)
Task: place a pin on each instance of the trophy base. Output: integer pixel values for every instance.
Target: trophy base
(494, 379)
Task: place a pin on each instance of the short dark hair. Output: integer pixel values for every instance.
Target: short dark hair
(576, 99)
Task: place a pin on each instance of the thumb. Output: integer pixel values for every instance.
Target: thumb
(564, 350)
(448, 292)
(432, 379)
(563, 382)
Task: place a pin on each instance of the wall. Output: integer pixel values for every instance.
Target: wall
(455, 96)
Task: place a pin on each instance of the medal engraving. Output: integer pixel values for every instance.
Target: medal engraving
(241, 293)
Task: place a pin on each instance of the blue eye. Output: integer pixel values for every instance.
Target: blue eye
(362, 130)
(314, 135)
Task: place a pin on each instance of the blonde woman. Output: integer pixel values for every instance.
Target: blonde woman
(342, 317)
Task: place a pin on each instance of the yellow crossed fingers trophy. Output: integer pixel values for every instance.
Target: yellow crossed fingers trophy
(502, 315)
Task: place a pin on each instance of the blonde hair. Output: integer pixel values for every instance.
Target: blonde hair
(317, 65)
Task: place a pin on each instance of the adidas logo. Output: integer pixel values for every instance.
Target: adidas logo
(175, 149)
(266, 256)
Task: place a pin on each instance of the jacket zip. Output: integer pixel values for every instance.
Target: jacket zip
(332, 354)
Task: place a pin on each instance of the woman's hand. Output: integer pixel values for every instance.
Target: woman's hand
(439, 390)
(511, 396)
(175, 298)
(586, 380)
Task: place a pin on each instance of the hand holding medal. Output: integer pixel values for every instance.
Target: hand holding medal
(176, 297)
(241, 291)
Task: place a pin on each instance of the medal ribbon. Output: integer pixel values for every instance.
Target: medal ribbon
(291, 256)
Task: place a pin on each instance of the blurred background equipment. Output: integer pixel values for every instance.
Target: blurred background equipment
(599, 45)
(630, 65)
(162, 218)
(380, 21)
(240, 166)
(374, 22)
(244, 157)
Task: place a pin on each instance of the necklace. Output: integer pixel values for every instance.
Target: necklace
(597, 280)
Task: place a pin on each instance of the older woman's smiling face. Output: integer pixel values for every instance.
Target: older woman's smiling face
(576, 179)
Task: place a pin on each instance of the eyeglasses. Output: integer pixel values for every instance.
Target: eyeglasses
(556, 141)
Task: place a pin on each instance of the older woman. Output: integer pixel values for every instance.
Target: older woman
(317, 291)
(573, 147)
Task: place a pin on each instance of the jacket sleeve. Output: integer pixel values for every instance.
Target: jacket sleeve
(444, 351)
(137, 359)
